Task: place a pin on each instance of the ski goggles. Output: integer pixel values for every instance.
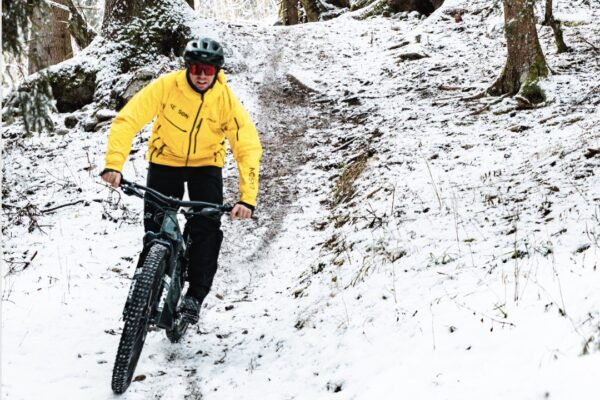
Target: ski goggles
(197, 69)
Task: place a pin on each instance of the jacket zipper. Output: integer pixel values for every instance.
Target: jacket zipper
(237, 133)
(187, 159)
(196, 135)
(171, 122)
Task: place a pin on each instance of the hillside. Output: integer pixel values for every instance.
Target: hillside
(410, 243)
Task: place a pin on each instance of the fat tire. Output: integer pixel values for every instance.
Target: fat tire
(137, 314)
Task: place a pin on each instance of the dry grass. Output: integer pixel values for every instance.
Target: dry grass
(344, 188)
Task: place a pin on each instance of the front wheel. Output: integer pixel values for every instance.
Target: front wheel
(138, 311)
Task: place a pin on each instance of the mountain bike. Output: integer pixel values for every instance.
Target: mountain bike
(159, 278)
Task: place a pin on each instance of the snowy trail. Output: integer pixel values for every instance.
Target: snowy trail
(80, 258)
(248, 343)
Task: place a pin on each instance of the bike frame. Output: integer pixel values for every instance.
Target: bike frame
(176, 268)
(171, 237)
(158, 281)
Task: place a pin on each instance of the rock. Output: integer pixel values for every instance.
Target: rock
(519, 128)
(102, 126)
(72, 88)
(71, 121)
(411, 56)
(591, 153)
(137, 82)
(351, 100)
(105, 115)
(89, 124)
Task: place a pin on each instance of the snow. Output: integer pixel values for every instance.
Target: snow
(462, 264)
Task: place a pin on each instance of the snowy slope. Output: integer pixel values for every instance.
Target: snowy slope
(410, 244)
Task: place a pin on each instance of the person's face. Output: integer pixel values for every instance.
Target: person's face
(202, 75)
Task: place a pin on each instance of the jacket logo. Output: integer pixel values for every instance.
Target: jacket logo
(252, 178)
(179, 111)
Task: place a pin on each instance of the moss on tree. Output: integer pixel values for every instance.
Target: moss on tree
(525, 65)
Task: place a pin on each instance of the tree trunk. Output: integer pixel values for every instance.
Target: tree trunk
(50, 39)
(117, 13)
(549, 20)
(79, 28)
(190, 3)
(525, 63)
(135, 34)
(288, 12)
(314, 9)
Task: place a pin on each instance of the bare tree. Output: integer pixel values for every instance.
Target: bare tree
(555, 24)
(288, 12)
(525, 64)
(50, 41)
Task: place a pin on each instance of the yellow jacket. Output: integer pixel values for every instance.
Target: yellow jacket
(190, 129)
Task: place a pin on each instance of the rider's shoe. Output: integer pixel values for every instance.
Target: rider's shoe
(190, 309)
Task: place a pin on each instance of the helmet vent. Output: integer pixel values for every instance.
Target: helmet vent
(204, 50)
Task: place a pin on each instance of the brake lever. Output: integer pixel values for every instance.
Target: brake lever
(131, 191)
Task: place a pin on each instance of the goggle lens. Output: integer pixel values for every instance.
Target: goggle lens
(197, 69)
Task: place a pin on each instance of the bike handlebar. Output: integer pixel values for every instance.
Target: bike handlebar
(135, 189)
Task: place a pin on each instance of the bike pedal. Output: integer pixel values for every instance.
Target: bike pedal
(189, 318)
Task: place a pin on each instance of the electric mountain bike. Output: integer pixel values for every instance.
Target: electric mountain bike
(156, 289)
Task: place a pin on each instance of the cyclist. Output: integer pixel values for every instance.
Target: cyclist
(195, 111)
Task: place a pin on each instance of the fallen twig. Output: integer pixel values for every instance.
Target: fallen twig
(399, 45)
(26, 264)
(477, 96)
(587, 95)
(487, 106)
(47, 210)
(587, 41)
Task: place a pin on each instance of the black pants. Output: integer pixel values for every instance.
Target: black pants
(203, 184)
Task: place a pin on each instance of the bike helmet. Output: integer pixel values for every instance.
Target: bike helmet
(204, 50)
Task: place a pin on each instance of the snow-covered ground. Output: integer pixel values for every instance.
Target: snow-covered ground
(410, 244)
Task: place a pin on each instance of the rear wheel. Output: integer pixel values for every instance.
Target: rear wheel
(145, 293)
